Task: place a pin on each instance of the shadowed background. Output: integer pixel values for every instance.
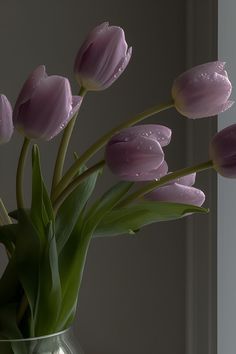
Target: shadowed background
(132, 299)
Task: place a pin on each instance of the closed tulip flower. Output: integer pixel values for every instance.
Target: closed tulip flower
(135, 154)
(179, 191)
(223, 151)
(6, 124)
(203, 91)
(45, 105)
(102, 57)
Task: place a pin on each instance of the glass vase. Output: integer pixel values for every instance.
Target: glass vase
(58, 343)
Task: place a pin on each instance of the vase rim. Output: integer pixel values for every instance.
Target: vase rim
(36, 338)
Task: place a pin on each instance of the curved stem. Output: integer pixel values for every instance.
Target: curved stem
(20, 174)
(103, 140)
(167, 178)
(61, 154)
(69, 189)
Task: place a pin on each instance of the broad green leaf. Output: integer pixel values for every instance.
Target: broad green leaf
(49, 290)
(131, 218)
(108, 201)
(10, 330)
(27, 255)
(73, 256)
(41, 209)
(71, 209)
(71, 263)
(14, 213)
(8, 234)
(10, 289)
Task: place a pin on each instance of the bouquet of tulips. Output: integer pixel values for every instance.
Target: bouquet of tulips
(47, 241)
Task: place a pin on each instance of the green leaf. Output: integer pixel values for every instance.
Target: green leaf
(27, 255)
(10, 289)
(49, 290)
(73, 256)
(71, 209)
(8, 234)
(14, 213)
(41, 208)
(108, 201)
(10, 330)
(130, 218)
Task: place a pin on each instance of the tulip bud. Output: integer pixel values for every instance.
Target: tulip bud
(6, 124)
(179, 191)
(102, 57)
(45, 105)
(202, 91)
(135, 154)
(223, 151)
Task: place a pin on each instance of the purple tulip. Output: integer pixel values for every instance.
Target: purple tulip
(223, 151)
(6, 124)
(203, 91)
(135, 154)
(45, 105)
(179, 191)
(102, 57)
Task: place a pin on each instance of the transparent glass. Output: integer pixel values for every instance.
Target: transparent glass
(58, 343)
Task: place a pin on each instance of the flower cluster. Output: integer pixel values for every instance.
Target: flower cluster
(47, 243)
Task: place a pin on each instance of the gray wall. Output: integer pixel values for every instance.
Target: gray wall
(226, 198)
(133, 296)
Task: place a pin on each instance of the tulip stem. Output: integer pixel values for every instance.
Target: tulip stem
(74, 184)
(167, 178)
(20, 173)
(103, 140)
(61, 154)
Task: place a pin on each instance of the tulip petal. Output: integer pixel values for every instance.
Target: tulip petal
(119, 69)
(76, 103)
(92, 36)
(187, 180)
(189, 75)
(28, 88)
(202, 91)
(47, 112)
(6, 124)
(211, 110)
(102, 57)
(134, 157)
(178, 193)
(149, 175)
(155, 132)
(223, 151)
(109, 48)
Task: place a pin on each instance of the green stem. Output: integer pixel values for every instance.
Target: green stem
(20, 174)
(103, 140)
(74, 184)
(61, 154)
(167, 178)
